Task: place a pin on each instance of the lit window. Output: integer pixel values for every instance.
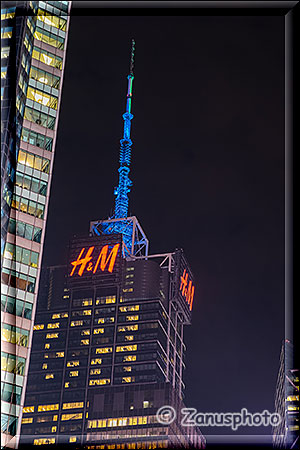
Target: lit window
(49, 375)
(146, 404)
(52, 407)
(128, 338)
(130, 318)
(72, 439)
(126, 348)
(28, 409)
(76, 323)
(72, 405)
(129, 358)
(27, 420)
(87, 312)
(73, 373)
(96, 361)
(73, 363)
(87, 302)
(47, 346)
(44, 441)
(127, 369)
(293, 398)
(53, 325)
(67, 384)
(129, 308)
(95, 371)
(128, 328)
(60, 315)
(38, 327)
(85, 332)
(103, 350)
(127, 379)
(84, 342)
(45, 366)
(74, 416)
(52, 335)
(98, 330)
(53, 429)
(60, 354)
(99, 381)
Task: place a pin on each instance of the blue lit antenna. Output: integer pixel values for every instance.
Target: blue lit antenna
(135, 242)
(121, 192)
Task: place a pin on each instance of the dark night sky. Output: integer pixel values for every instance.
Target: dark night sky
(208, 176)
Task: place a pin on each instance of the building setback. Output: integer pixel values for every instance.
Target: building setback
(34, 41)
(113, 353)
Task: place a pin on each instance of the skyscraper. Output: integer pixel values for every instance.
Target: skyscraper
(109, 352)
(34, 41)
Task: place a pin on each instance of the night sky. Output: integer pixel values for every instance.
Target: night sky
(208, 176)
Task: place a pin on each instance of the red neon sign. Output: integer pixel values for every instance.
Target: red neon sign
(102, 261)
(187, 289)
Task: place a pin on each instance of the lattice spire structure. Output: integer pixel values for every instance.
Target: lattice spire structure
(121, 192)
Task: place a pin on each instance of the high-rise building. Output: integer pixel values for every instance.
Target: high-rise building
(286, 433)
(33, 50)
(108, 352)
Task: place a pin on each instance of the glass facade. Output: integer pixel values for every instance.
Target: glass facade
(33, 50)
(107, 352)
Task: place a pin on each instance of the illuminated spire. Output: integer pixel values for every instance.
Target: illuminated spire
(121, 192)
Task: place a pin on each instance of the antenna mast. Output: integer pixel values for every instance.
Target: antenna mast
(121, 192)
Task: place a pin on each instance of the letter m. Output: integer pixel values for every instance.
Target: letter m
(103, 259)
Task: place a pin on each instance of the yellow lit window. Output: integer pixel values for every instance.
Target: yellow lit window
(128, 328)
(99, 381)
(76, 323)
(53, 325)
(73, 373)
(293, 398)
(28, 409)
(53, 429)
(60, 354)
(72, 405)
(67, 384)
(47, 346)
(126, 348)
(27, 420)
(38, 327)
(128, 338)
(103, 350)
(129, 308)
(52, 335)
(127, 368)
(72, 439)
(60, 315)
(85, 332)
(87, 312)
(96, 361)
(95, 371)
(55, 418)
(84, 341)
(128, 290)
(45, 366)
(49, 375)
(73, 363)
(74, 416)
(293, 408)
(52, 407)
(87, 302)
(8, 15)
(98, 330)
(130, 318)
(127, 379)
(129, 358)
(44, 441)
